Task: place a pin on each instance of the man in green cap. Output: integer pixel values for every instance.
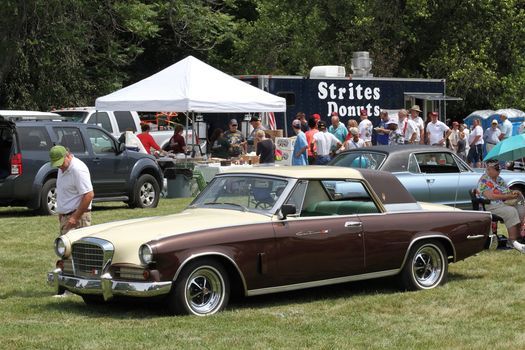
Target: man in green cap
(74, 190)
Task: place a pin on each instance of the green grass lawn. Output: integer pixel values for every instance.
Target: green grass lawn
(481, 307)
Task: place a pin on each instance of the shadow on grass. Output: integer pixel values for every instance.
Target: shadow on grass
(13, 212)
(387, 285)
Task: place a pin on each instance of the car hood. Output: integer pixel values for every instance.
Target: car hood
(128, 235)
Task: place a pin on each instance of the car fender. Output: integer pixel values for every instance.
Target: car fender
(213, 254)
(45, 172)
(145, 166)
(430, 235)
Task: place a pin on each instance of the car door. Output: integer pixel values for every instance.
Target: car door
(415, 181)
(321, 241)
(109, 167)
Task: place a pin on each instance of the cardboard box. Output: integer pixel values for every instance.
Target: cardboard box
(250, 159)
(274, 133)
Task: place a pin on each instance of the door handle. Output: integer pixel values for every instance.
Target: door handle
(96, 160)
(353, 224)
(431, 181)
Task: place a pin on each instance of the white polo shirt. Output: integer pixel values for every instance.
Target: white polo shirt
(324, 142)
(436, 131)
(506, 128)
(72, 185)
(420, 127)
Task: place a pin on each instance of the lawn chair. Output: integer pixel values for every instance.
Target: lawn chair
(478, 203)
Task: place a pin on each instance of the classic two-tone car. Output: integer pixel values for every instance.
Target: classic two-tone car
(267, 230)
(431, 174)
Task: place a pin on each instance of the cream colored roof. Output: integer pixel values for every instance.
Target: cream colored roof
(300, 172)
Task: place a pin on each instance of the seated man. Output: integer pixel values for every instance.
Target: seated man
(492, 186)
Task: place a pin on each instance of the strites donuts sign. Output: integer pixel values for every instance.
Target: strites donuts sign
(349, 99)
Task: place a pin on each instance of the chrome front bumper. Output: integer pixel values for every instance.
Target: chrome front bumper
(106, 286)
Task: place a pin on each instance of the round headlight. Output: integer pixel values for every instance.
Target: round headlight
(145, 254)
(61, 247)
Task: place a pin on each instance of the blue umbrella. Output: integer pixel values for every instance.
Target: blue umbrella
(509, 149)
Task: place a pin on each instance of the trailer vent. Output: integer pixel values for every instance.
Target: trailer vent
(328, 72)
(361, 64)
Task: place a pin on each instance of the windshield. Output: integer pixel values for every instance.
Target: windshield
(243, 193)
(363, 160)
(73, 116)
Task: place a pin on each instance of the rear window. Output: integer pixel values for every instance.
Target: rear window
(73, 116)
(360, 160)
(33, 138)
(125, 121)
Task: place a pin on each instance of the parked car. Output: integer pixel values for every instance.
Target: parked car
(27, 178)
(115, 122)
(429, 173)
(267, 230)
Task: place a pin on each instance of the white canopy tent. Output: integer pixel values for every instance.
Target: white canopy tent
(191, 85)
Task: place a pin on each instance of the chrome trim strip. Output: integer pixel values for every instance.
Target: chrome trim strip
(194, 256)
(322, 282)
(107, 287)
(475, 236)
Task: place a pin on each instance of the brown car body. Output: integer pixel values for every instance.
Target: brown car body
(258, 251)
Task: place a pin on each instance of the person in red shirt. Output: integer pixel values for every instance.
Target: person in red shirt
(312, 124)
(147, 140)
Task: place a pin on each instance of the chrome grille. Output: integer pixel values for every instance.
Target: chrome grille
(91, 256)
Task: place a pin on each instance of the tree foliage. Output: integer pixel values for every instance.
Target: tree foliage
(68, 53)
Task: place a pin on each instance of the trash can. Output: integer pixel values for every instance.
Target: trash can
(179, 182)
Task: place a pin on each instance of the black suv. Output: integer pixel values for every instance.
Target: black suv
(27, 178)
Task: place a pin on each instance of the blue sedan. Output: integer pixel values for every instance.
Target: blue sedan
(431, 174)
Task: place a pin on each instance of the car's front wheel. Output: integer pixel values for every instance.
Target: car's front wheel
(202, 289)
(146, 192)
(48, 198)
(426, 266)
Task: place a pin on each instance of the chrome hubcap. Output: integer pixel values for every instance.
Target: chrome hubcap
(427, 266)
(204, 291)
(147, 194)
(52, 200)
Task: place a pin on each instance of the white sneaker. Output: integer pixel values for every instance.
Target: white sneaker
(65, 294)
(518, 246)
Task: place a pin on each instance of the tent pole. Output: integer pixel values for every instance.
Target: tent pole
(285, 126)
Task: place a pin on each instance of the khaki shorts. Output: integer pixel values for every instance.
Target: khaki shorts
(509, 214)
(84, 221)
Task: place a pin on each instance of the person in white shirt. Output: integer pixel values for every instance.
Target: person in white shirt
(74, 190)
(453, 138)
(463, 128)
(475, 140)
(437, 131)
(365, 128)
(407, 127)
(354, 141)
(506, 128)
(322, 144)
(491, 135)
(414, 115)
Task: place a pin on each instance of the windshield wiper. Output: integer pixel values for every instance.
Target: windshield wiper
(227, 203)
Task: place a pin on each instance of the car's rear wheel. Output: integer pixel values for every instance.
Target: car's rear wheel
(48, 198)
(146, 192)
(202, 289)
(426, 266)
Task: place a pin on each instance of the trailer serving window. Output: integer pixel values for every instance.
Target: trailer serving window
(289, 96)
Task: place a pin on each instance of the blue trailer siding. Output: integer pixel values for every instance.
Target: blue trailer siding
(345, 96)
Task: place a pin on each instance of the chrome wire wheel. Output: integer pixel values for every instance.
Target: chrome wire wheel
(204, 291)
(428, 266)
(147, 194)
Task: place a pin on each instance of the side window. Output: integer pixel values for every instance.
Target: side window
(297, 196)
(413, 166)
(101, 142)
(337, 198)
(437, 162)
(125, 121)
(33, 139)
(70, 138)
(101, 119)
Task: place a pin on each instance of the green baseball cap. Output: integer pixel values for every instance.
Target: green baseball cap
(57, 155)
